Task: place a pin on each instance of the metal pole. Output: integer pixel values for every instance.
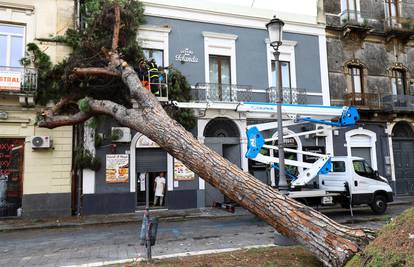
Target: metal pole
(146, 192)
(147, 214)
(282, 185)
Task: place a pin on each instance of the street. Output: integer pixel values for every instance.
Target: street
(91, 244)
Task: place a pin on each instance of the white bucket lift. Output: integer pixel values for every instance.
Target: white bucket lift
(331, 117)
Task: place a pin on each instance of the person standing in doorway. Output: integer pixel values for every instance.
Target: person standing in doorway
(159, 188)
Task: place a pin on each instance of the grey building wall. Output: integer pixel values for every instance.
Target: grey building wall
(340, 147)
(46, 205)
(251, 54)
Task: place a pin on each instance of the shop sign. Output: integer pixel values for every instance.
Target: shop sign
(186, 55)
(145, 142)
(10, 80)
(117, 167)
(181, 172)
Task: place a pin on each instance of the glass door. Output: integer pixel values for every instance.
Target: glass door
(220, 78)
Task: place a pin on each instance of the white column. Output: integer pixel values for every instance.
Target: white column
(243, 150)
(201, 182)
(201, 125)
(88, 181)
(170, 172)
(132, 163)
(323, 57)
(389, 133)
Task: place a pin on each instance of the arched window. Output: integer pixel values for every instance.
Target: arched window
(399, 79)
(356, 78)
(355, 75)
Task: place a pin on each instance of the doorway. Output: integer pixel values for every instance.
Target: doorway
(11, 176)
(150, 162)
(403, 149)
(150, 178)
(220, 78)
(223, 136)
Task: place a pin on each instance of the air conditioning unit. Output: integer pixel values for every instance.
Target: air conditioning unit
(121, 134)
(41, 142)
(321, 133)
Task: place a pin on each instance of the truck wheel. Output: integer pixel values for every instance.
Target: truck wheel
(379, 204)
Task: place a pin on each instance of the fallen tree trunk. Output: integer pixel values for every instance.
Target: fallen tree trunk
(333, 243)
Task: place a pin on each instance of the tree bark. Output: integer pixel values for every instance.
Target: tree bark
(333, 243)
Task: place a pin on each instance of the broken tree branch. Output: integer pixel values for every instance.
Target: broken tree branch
(117, 25)
(53, 121)
(95, 72)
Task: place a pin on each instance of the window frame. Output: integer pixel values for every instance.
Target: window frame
(221, 44)
(350, 72)
(287, 54)
(8, 42)
(156, 49)
(219, 69)
(388, 8)
(273, 62)
(394, 78)
(351, 14)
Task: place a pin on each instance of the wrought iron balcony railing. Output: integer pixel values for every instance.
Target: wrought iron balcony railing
(363, 100)
(215, 92)
(18, 80)
(399, 24)
(218, 92)
(377, 102)
(398, 103)
(353, 17)
(290, 95)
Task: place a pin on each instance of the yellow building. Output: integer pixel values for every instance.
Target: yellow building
(35, 163)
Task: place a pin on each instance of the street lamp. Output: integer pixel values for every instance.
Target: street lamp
(275, 30)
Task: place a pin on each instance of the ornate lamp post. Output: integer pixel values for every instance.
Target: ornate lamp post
(275, 30)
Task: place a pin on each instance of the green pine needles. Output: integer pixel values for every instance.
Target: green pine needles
(94, 33)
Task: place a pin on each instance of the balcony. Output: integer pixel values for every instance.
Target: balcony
(214, 92)
(377, 102)
(400, 27)
(355, 22)
(18, 80)
(290, 95)
(398, 103)
(365, 101)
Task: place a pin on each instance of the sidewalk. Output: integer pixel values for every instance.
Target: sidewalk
(13, 224)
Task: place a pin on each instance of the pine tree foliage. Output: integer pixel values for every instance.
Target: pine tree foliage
(87, 43)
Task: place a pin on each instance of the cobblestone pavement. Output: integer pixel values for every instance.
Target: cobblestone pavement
(88, 244)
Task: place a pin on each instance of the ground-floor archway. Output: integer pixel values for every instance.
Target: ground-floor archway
(222, 135)
(403, 151)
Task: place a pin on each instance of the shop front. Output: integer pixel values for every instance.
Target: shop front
(11, 176)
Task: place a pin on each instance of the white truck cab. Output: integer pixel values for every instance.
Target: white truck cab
(357, 183)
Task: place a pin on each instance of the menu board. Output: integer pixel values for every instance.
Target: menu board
(181, 172)
(117, 168)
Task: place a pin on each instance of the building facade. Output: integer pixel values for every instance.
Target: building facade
(371, 64)
(226, 57)
(34, 181)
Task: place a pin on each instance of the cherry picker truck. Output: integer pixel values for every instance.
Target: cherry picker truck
(330, 180)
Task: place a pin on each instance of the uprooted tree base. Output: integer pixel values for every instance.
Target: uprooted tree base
(333, 243)
(394, 245)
